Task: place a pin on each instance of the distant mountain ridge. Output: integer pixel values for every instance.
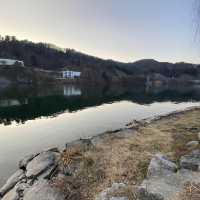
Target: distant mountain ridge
(94, 69)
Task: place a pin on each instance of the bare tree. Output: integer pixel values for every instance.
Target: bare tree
(197, 19)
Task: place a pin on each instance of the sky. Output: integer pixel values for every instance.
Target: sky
(123, 30)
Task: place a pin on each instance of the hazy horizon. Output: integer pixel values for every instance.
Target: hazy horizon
(123, 31)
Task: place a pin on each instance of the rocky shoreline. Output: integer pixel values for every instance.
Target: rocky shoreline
(52, 174)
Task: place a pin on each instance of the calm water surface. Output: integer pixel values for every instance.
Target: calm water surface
(32, 119)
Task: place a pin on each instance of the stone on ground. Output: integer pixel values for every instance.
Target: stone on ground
(109, 193)
(119, 198)
(192, 144)
(23, 163)
(12, 181)
(11, 195)
(43, 190)
(191, 161)
(164, 182)
(41, 163)
(161, 165)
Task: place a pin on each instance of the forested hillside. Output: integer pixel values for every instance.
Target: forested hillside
(48, 56)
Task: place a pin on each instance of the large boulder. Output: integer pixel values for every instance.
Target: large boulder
(11, 195)
(161, 165)
(41, 163)
(43, 190)
(191, 161)
(12, 181)
(165, 188)
(164, 182)
(17, 192)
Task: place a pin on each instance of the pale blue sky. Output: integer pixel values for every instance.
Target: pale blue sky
(124, 30)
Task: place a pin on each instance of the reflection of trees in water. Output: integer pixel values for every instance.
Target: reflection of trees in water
(39, 105)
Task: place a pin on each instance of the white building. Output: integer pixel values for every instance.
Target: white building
(10, 62)
(71, 74)
(71, 91)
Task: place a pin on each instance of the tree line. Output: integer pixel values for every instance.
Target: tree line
(48, 56)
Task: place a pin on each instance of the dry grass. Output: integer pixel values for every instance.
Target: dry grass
(118, 159)
(190, 192)
(70, 154)
(182, 128)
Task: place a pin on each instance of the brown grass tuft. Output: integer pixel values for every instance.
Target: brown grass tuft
(122, 159)
(191, 192)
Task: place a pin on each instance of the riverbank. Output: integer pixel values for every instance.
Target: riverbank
(87, 167)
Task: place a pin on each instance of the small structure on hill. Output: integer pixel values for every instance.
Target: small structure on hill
(70, 74)
(11, 62)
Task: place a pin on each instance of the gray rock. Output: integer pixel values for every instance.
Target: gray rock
(17, 192)
(160, 165)
(82, 144)
(199, 135)
(20, 187)
(53, 149)
(98, 140)
(104, 195)
(23, 163)
(144, 194)
(41, 163)
(42, 190)
(163, 183)
(191, 161)
(48, 173)
(165, 188)
(118, 198)
(124, 133)
(192, 144)
(11, 195)
(12, 181)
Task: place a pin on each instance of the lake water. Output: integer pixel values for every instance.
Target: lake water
(32, 119)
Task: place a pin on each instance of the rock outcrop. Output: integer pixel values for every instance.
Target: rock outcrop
(43, 190)
(164, 181)
(41, 163)
(12, 181)
(160, 165)
(191, 161)
(32, 180)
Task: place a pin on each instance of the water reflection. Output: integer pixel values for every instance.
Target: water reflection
(9, 102)
(71, 90)
(22, 103)
(55, 115)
